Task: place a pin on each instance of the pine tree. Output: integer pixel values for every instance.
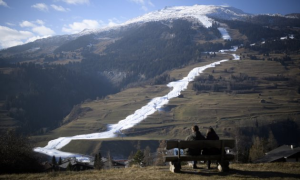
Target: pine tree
(59, 161)
(138, 157)
(54, 163)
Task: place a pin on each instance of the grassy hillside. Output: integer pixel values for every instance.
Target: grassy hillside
(239, 171)
(224, 110)
(227, 110)
(113, 109)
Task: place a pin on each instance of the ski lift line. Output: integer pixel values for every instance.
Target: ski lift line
(53, 146)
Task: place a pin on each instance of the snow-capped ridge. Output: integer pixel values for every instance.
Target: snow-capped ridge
(202, 13)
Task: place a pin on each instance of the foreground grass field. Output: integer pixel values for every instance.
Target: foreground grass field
(238, 171)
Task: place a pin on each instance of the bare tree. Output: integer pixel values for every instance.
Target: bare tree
(272, 143)
(130, 158)
(147, 159)
(242, 145)
(109, 160)
(257, 149)
(160, 154)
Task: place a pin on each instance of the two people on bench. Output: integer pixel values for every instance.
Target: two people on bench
(196, 135)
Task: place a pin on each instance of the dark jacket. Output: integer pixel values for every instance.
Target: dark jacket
(211, 135)
(194, 137)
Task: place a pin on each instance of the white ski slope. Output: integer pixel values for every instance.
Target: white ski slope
(224, 33)
(52, 149)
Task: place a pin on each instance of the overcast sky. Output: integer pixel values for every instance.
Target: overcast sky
(24, 21)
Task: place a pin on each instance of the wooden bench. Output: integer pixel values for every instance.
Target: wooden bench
(223, 158)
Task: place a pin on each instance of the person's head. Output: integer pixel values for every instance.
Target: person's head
(210, 129)
(195, 128)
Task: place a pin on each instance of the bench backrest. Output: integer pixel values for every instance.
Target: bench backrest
(200, 144)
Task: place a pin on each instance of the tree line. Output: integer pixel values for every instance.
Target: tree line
(240, 83)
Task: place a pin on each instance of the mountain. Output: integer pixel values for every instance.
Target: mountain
(204, 14)
(201, 13)
(74, 84)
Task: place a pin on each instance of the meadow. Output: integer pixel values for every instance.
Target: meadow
(270, 171)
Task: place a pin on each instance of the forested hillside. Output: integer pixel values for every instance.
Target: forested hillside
(40, 96)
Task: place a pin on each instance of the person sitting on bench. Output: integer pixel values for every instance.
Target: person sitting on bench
(211, 135)
(196, 135)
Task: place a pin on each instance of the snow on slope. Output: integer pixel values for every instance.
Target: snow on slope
(224, 33)
(52, 149)
(200, 12)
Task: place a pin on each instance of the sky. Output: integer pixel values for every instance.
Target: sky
(23, 21)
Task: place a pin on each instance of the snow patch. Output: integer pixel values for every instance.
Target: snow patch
(224, 33)
(233, 48)
(286, 37)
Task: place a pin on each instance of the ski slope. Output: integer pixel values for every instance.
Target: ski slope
(224, 33)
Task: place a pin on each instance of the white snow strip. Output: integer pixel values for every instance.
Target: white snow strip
(286, 37)
(224, 33)
(52, 149)
(234, 48)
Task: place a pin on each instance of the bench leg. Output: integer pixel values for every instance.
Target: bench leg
(223, 166)
(175, 166)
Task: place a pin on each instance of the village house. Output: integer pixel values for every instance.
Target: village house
(73, 165)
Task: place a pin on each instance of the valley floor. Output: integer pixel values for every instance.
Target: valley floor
(238, 171)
